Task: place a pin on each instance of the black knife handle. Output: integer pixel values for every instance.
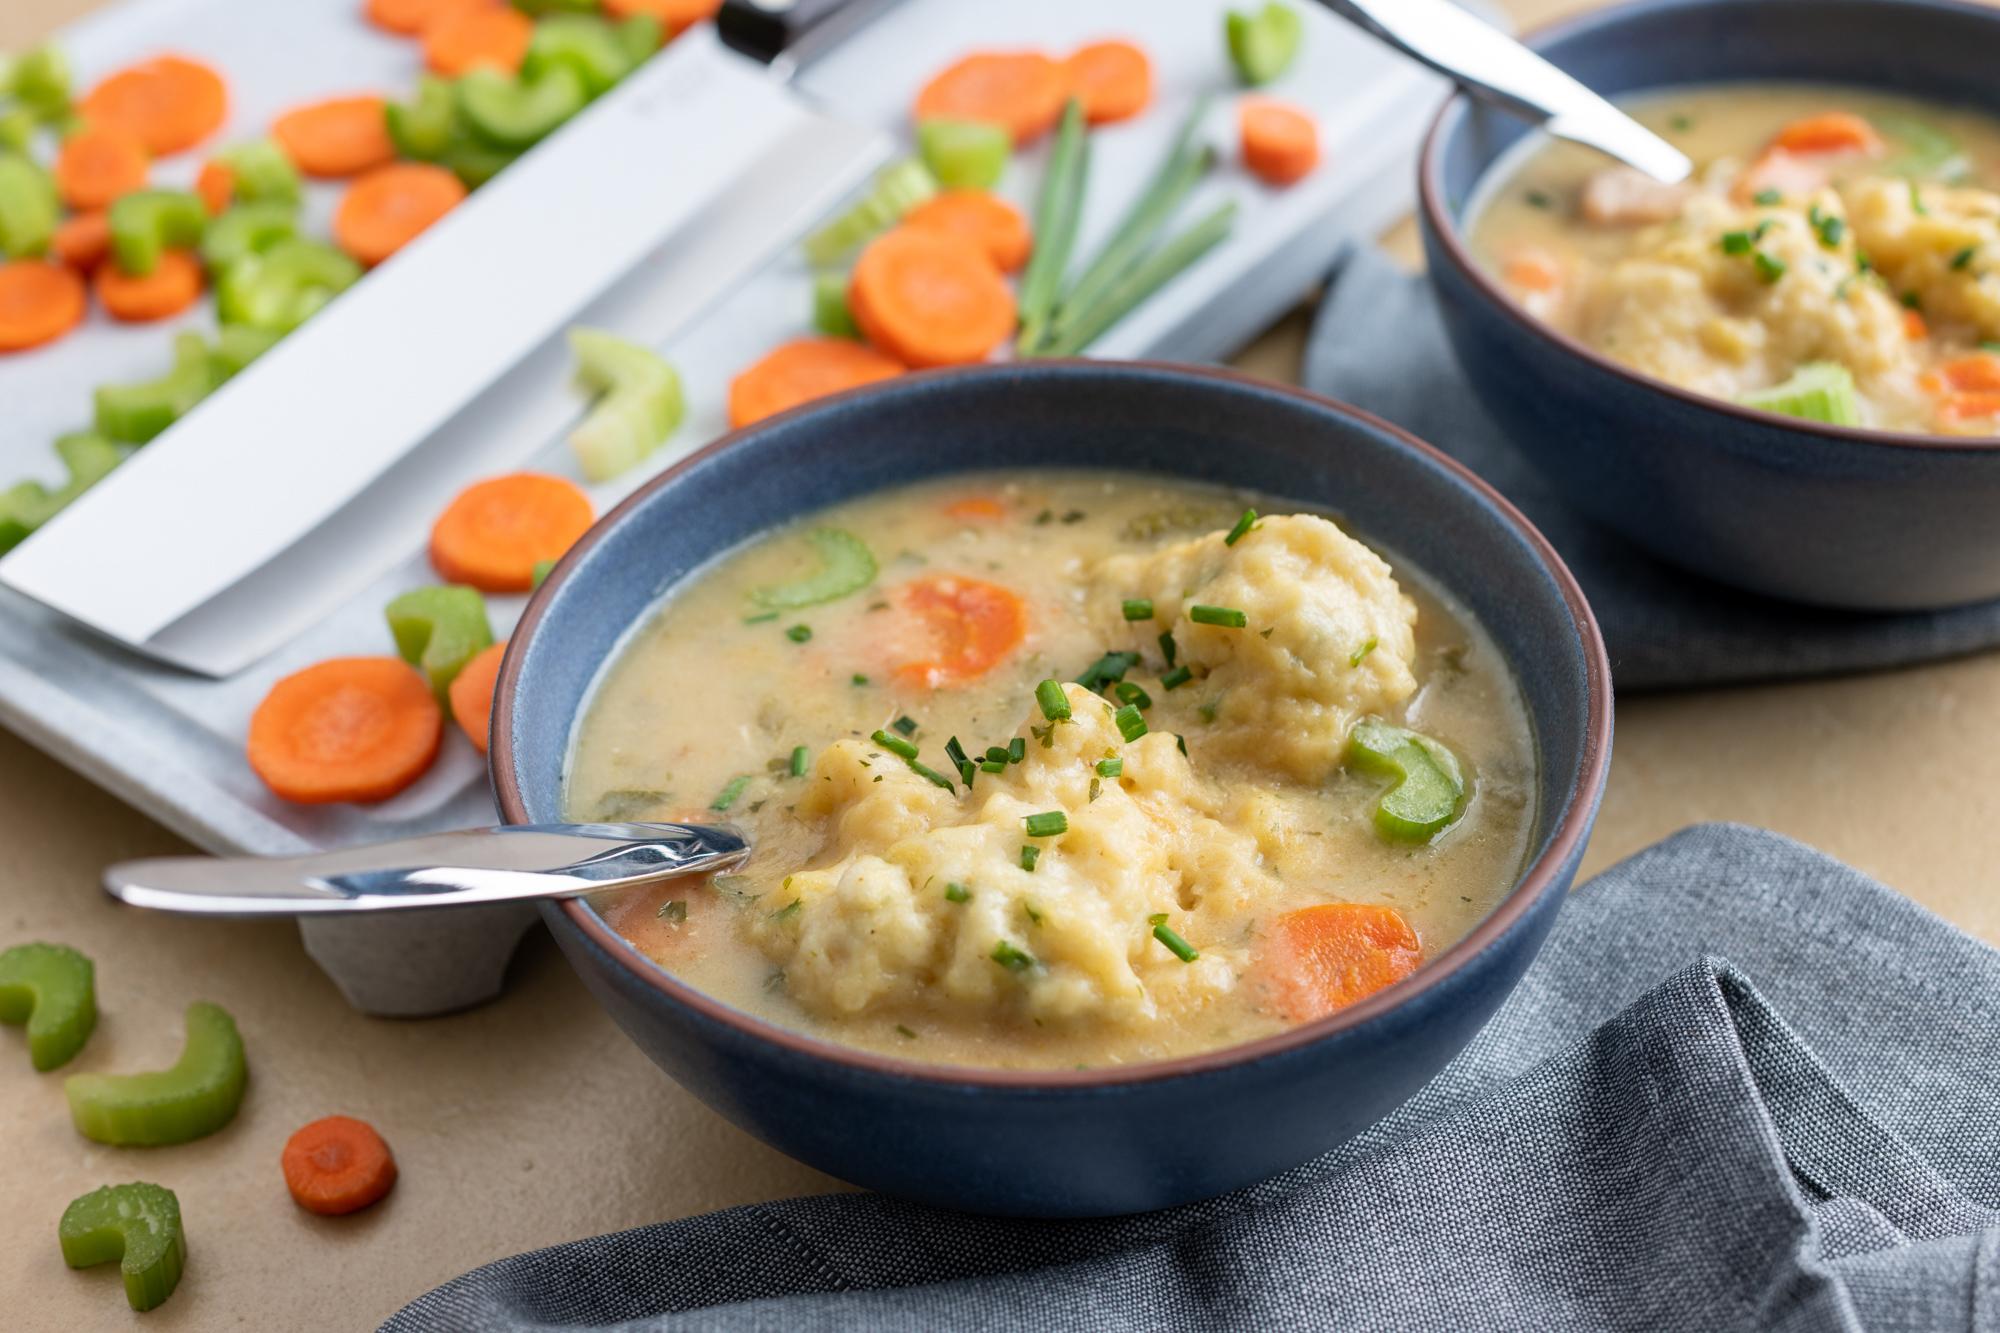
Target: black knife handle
(798, 29)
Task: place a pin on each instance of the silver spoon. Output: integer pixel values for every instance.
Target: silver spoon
(463, 869)
(1492, 66)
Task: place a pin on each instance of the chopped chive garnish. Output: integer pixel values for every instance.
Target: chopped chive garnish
(1360, 655)
(730, 791)
(1181, 742)
(1017, 749)
(1176, 946)
(1538, 199)
(1989, 346)
(1242, 528)
(1917, 201)
(1168, 649)
(1129, 722)
(762, 619)
(1106, 669)
(895, 745)
(860, 679)
(1736, 242)
(1157, 919)
(1053, 702)
(956, 753)
(1030, 855)
(905, 1032)
(1964, 257)
(1226, 616)
(1049, 824)
(1768, 197)
(1096, 790)
(1681, 124)
(1138, 608)
(800, 754)
(799, 633)
(1034, 916)
(1207, 710)
(1912, 301)
(1769, 267)
(1129, 693)
(957, 893)
(993, 765)
(1011, 958)
(997, 755)
(906, 725)
(789, 910)
(930, 775)
(1176, 678)
(1110, 768)
(675, 909)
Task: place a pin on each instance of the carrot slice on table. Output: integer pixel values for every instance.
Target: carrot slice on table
(172, 286)
(970, 627)
(169, 103)
(497, 530)
(337, 1165)
(472, 36)
(216, 185)
(986, 220)
(1280, 141)
(674, 15)
(82, 240)
(39, 302)
(1320, 959)
(409, 18)
(389, 207)
(1978, 406)
(1829, 132)
(975, 509)
(471, 694)
(98, 163)
(1973, 374)
(342, 136)
(800, 371)
(349, 729)
(928, 299)
(1915, 326)
(1114, 80)
(1023, 91)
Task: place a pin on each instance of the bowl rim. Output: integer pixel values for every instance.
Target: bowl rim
(1564, 843)
(1440, 222)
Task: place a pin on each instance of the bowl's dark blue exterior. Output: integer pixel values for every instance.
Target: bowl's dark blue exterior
(1068, 1143)
(1842, 518)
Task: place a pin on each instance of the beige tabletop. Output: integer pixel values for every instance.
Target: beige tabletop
(534, 1120)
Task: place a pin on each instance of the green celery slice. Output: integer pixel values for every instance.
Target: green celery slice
(639, 407)
(1928, 152)
(197, 1096)
(29, 209)
(263, 173)
(1263, 44)
(279, 289)
(588, 45)
(52, 989)
(17, 130)
(135, 413)
(538, 8)
(845, 566)
(964, 154)
(475, 163)
(40, 81)
(1058, 211)
(1429, 792)
(27, 505)
(898, 188)
(237, 345)
(642, 36)
(513, 113)
(438, 630)
(831, 314)
(426, 128)
(539, 573)
(145, 223)
(138, 1226)
(246, 229)
(1822, 391)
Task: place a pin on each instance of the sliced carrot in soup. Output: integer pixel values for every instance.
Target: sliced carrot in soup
(1319, 959)
(966, 628)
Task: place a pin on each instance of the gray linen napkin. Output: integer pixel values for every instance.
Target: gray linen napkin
(1663, 627)
(1805, 1135)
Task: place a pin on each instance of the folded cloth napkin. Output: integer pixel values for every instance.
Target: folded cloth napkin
(1790, 1120)
(1664, 627)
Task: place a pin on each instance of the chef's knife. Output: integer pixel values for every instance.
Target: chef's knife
(314, 471)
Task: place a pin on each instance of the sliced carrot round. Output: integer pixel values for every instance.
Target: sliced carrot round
(674, 15)
(800, 371)
(410, 18)
(975, 509)
(1114, 80)
(1023, 91)
(337, 1165)
(216, 185)
(1829, 132)
(495, 533)
(1320, 959)
(1962, 408)
(342, 136)
(1978, 373)
(98, 163)
(387, 208)
(172, 286)
(970, 627)
(1280, 141)
(39, 302)
(471, 694)
(82, 240)
(929, 299)
(986, 220)
(169, 103)
(464, 38)
(350, 729)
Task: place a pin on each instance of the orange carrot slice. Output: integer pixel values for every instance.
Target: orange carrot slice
(800, 371)
(1973, 374)
(342, 136)
(82, 240)
(1280, 141)
(1963, 407)
(674, 15)
(1829, 132)
(928, 299)
(1915, 326)
(350, 729)
(1320, 959)
(169, 103)
(337, 1165)
(216, 185)
(986, 220)
(971, 626)
(97, 164)
(410, 18)
(387, 208)
(1533, 270)
(39, 302)
(495, 533)
(466, 37)
(1023, 91)
(976, 509)
(1787, 175)
(471, 694)
(172, 286)
(1114, 80)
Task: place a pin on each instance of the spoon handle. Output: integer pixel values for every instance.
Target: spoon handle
(466, 868)
(1493, 66)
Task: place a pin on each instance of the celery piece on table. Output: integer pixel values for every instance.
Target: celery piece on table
(27, 505)
(52, 989)
(830, 313)
(1264, 43)
(898, 188)
(640, 402)
(438, 630)
(642, 35)
(964, 154)
(262, 173)
(29, 209)
(475, 163)
(198, 1095)
(425, 128)
(236, 346)
(135, 413)
(279, 289)
(584, 43)
(1151, 274)
(245, 229)
(138, 1227)
(147, 223)
(1058, 210)
(515, 113)
(40, 82)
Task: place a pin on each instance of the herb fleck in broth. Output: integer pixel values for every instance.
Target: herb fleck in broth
(1022, 925)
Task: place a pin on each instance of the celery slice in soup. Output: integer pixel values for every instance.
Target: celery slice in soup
(845, 566)
(1822, 391)
(1928, 152)
(1429, 792)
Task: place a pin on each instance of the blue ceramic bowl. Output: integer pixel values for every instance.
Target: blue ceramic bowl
(1068, 1142)
(1867, 520)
